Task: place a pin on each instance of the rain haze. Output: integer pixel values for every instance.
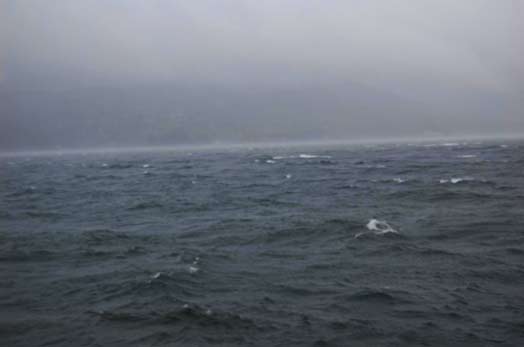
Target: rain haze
(138, 73)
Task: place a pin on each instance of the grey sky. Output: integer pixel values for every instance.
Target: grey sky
(419, 48)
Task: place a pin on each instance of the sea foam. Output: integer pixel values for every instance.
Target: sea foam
(377, 227)
(301, 156)
(311, 156)
(455, 180)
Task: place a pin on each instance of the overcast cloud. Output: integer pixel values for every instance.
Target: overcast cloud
(445, 57)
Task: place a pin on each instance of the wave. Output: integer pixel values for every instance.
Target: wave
(445, 144)
(144, 206)
(116, 166)
(43, 215)
(380, 227)
(102, 235)
(6, 215)
(371, 166)
(187, 314)
(455, 180)
(301, 156)
(21, 192)
(312, 156)
(27, 255)
(377, 227)
(103, 177)
(377, 296)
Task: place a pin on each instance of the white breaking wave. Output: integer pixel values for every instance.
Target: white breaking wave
(399, 180)
(270, 161)
(455, 180)
(377, 166)
(377, 227)
(311, 156)
(301, 156)
(467, 156)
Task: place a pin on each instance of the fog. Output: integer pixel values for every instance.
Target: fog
(137, 73)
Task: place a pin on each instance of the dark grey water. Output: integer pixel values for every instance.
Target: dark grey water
(363, 246)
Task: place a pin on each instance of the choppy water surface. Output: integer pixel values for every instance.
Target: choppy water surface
(314, 246)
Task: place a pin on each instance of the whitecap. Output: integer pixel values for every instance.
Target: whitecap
(399, 180)
(270, 161)
(145, 166)
(157, 275)
(192, 269)
(377, 227)
(455, 180)
(450, 144)
(288, 176)
(312, 156)
(460, 179)
(467, 156)
(105, 165)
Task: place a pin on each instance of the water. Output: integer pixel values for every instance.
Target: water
(386, 245)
